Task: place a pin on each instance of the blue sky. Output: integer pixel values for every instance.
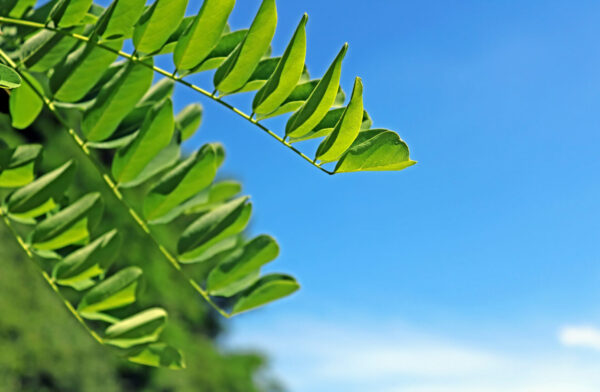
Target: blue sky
(475, 270)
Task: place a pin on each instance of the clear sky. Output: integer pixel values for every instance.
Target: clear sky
(477, 269)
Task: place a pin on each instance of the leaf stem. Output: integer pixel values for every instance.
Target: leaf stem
(134, 58)
(141, 223)
(47, 278)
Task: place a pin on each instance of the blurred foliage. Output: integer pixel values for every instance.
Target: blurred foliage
(44, 349)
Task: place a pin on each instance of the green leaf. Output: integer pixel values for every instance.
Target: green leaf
(158, 355)
(213, 226)
(188, 120)
(328, 123)
(46, 48)
(203, 35)
(347, 128)
(269, 288)
(115, 101)
(297, 98)
(217, 250)
(164, 160)
(155, 134)
(239, 285)
(160, 91)
(88, 262)
(226, 45)
(144, 327)
(81, 70)
(115, 292)
(9, 78)
(157, 24)
(259, 77)
(286, 76)
(319, 102)
(19, 8)
(123, 15)
(71, 225)
(375, 149)
(250, 258)
(17, 165)
(25, 103)
(203, 201)
(238, 67)
(67, 13)
(182, 182)
(42, 195)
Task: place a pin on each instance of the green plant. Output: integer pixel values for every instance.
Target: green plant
(63, 56)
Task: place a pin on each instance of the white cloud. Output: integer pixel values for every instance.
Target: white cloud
(314, 356)
(580, 336)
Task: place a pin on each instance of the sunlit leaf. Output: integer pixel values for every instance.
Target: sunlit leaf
(375, 149)
(319, 102)
(115, 292)
(347, 128)
(267, 289)
(203, 34)
(157, 24)
(9, 78)
(286, 76)
(115, 101)
(144, 327)
(41, 196)
(238, 67)
(71, 225)
(155, 134)
(182, 182)
(251, 257)
(25, 103)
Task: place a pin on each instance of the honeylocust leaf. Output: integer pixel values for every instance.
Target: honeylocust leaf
(328, 123)
(115, 292)
(159, 91)
(165, 159)
(212, 225)
(287, 74)
(182, 182)
(188, 120)
(67, 13)
(203, 201)
(157, 24)
(123, 16)
(238, 67)
(9, 78)
(81, 70)
(225, 46)
(347, 128)
(18, 8)
(267, 289)
(239, 285)
(115, 101)
(203, 35)
(319, 102)
(298, 97)
(71, 225)
(155, 134)
(218, 250)
(87, 262)
(17, 165)
(45, 49)
(251, 257)
(158, 355)
(41, 195)
(25, 103)
(144, 327)
(373, 150)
